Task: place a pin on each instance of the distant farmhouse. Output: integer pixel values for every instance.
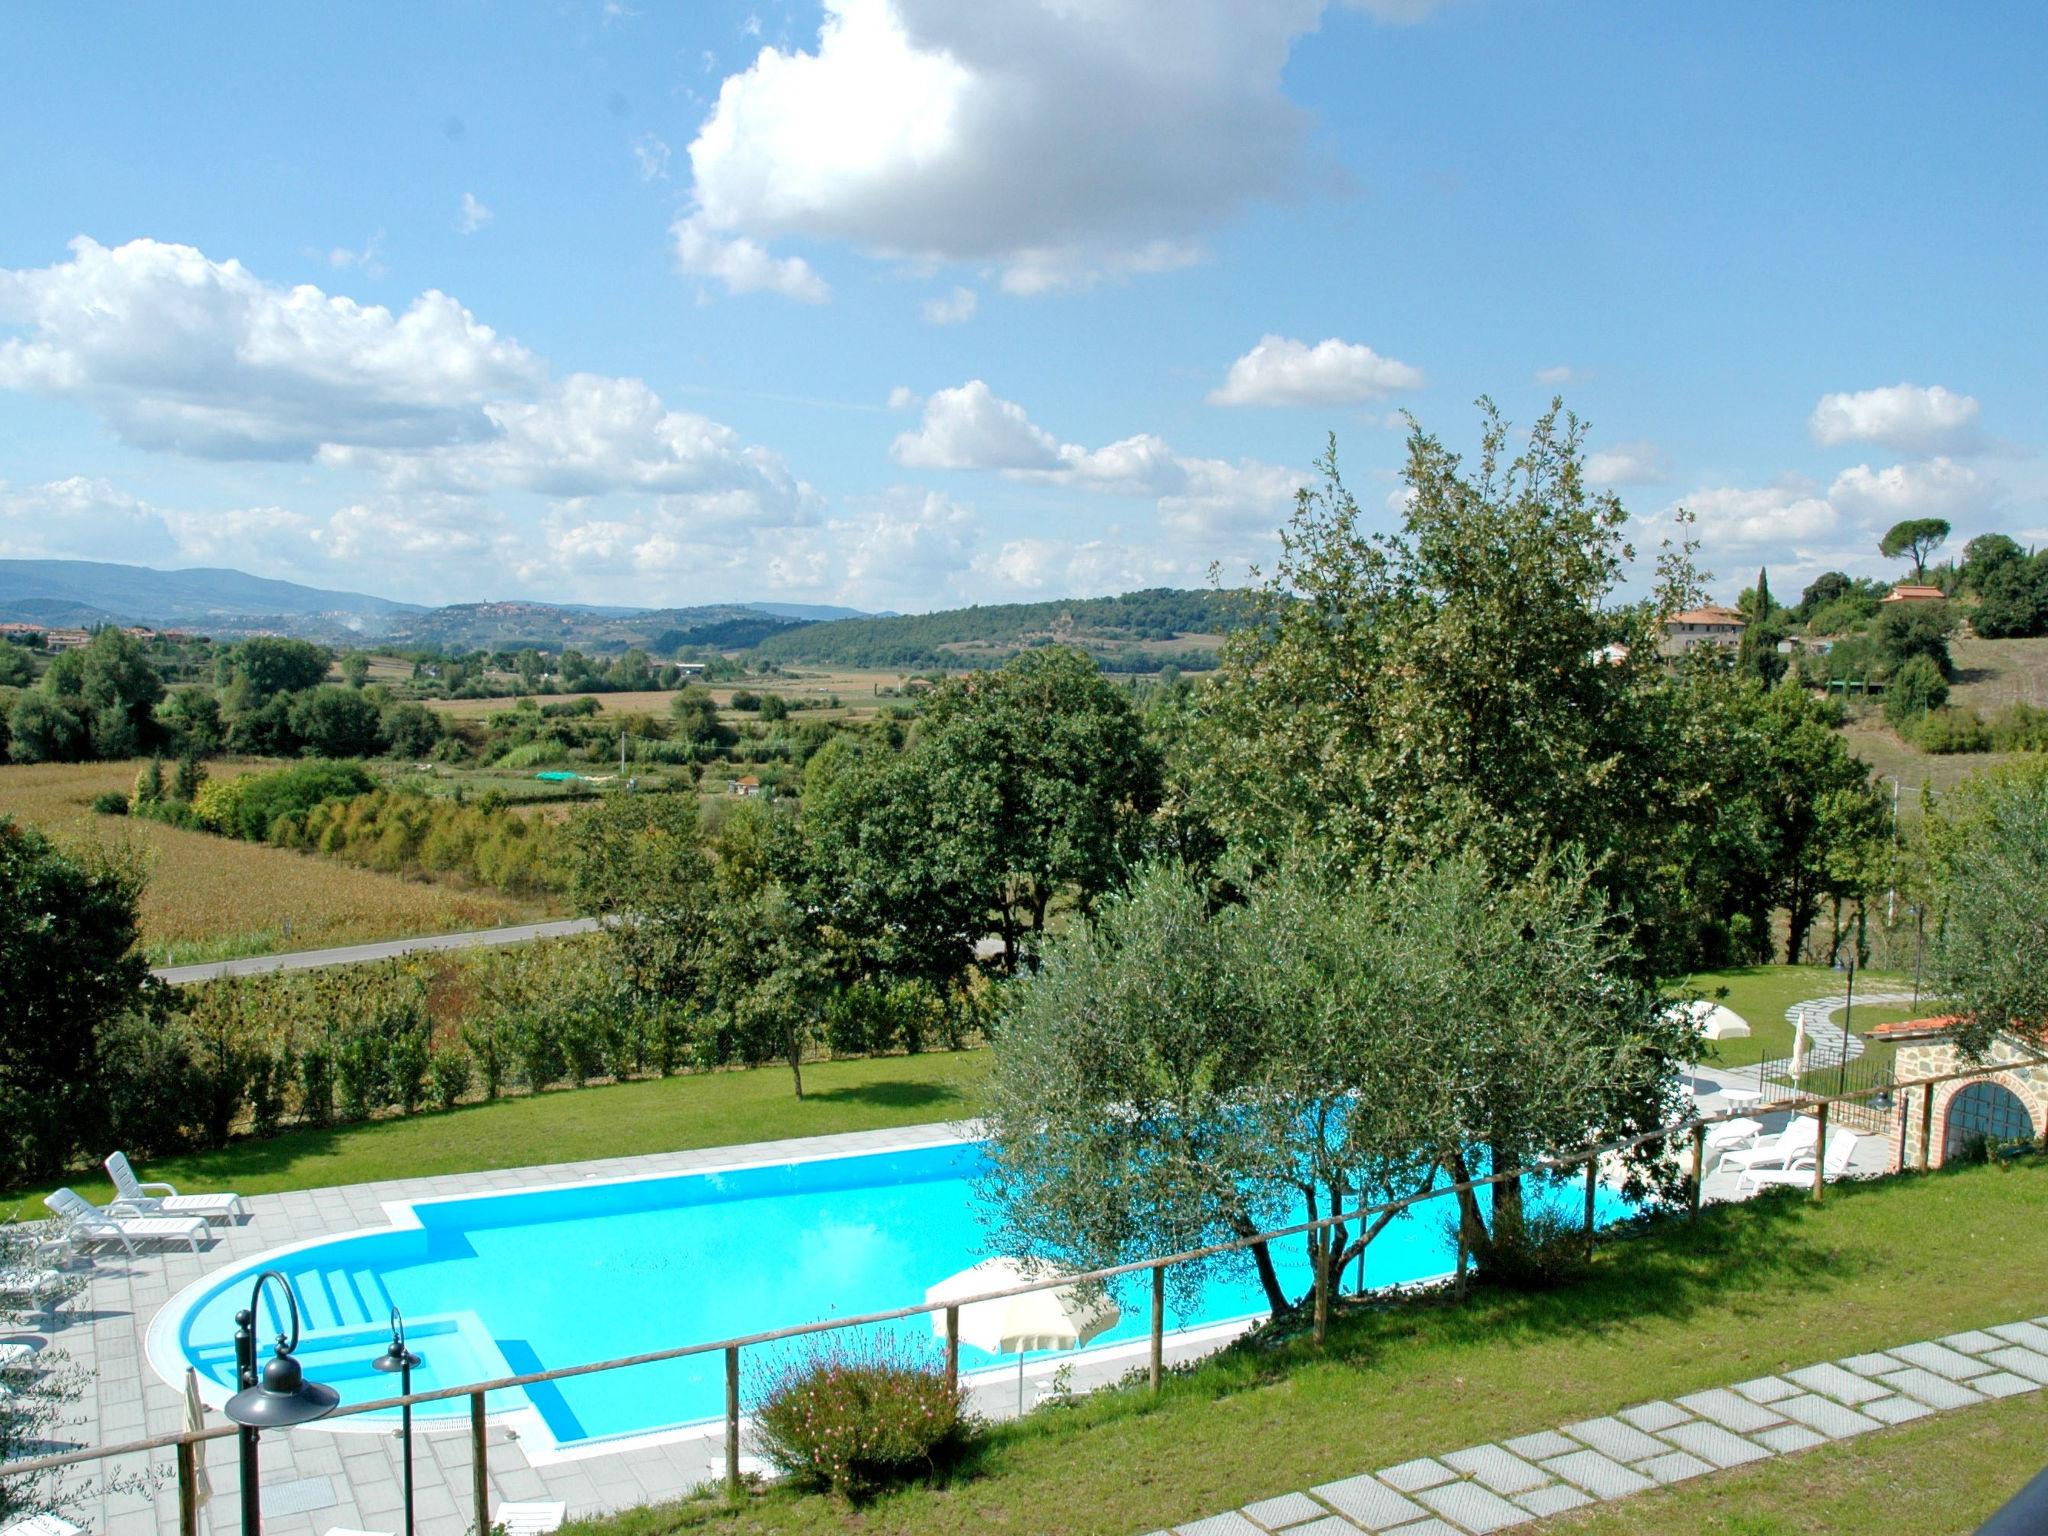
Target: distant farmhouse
(1912, 592)
(1702, 626)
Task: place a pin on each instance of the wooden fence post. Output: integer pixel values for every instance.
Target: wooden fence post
(1320, 1252)
(1699, 1166)
(1820, 1155)
(480, 1464)
(1592, 1186)
(953, 1350)
(732, 1422)
(188, 1489)
(1158, 1326)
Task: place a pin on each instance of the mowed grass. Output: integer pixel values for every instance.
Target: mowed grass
(1745, 1291)
(213, 897)
(712, 1109)
(1762, 993)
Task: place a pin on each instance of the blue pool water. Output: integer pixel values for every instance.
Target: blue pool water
(502, 1284)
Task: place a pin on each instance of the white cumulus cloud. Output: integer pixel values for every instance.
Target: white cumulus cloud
(1283, 371)
(179, 352)
(1937, 487)
(954, 308)
(473, 215)
(1636, 463)
(1790, 511)
(743, 265)
(969, 427)
(1059, 141)
(1901, 416)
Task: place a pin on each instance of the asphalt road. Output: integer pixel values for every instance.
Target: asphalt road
(355, 954)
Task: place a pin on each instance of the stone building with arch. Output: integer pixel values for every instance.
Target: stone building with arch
(2008, 1103)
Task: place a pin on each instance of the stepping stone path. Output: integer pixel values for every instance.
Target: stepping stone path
(1827, 1043)
(1485, 1488)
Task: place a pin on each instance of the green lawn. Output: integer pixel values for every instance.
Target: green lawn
(668, 1115)
(1745, 1291)
(1762, 993)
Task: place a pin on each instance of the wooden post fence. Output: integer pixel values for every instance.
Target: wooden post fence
(480, 1464)
(952, 1350)
(1158, 1325)
(1699, 1166)
(732, 1421)
(1820, 1155)
(188, 1489)
(1592, 1186)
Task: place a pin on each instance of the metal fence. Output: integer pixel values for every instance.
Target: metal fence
(185, 1444)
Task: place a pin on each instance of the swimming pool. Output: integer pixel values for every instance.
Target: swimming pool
(506, 1283)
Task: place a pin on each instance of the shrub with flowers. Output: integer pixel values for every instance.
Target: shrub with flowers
(856, 1418)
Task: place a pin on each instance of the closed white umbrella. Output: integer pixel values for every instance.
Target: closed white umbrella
(1057, 1317)
(195, 1422)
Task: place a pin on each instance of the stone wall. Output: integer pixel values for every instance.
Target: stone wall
(1938, 1056)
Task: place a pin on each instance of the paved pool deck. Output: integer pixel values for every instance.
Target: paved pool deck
(316, 1480)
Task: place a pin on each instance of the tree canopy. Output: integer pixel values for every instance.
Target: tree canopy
(1914, 539)
(1990, 841)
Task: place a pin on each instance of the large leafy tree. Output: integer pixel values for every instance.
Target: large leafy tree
(1914, 539)
(638, 862)
(266, 665)
(1467, 683)
(68, 953)
(1990, 844)
(110, 685)
(1034, 780)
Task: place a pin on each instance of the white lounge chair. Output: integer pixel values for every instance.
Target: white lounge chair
(533, 1518)
(43, 1525)
(90, 1224)
(1799, 1173)
(1776, 1151)
(131, 1191)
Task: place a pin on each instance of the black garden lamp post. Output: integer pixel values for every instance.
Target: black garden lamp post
(278, 1399)
(399, 1360)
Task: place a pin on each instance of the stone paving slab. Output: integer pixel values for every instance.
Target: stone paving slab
(1731, 1411)
(1897, 1410)
(1935, 1391)
(2021, 1362)
(1870, 1365)
(1502, 1471)
(1288, 1509)
(1369, 1502)
(1423, 1472)
(1232, 1524)
(1477, 1509)
(1825, 1415)
(1602, 1478)
(1547, 1442)
(1787, 1438)
(1612, 1438)
(1941, 1360)
(1973, 1341)
(2004, 1384)
(1674, 1467)
(1328, 1525)
(1722, 1447)
(1832, 1381)
(1766, 1389)
(1654, 1418)
(1554, 1500)
(1430, 1527)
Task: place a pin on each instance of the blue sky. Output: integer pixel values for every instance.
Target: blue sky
(902, 303)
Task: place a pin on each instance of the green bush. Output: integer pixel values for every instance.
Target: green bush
(1549, 1252)
(316, 1085)
(250, 806)
(855, 1419)
(110, 802)
(451, 1074)
(407, 1060)
(269, 1072)
(359, 1073)
(1915, 688)
(2019, 728)
(1950, 730)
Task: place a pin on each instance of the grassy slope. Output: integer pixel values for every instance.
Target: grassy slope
(1989, 675)
(1748, 1290)
(1762, 993)
(666, 1115)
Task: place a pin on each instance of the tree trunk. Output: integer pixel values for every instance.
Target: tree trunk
(796, 1060)
(1262, 1260)
(1800, 911)
(1507, 1202)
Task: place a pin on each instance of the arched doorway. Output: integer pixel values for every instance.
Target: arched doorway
(1984, 1110)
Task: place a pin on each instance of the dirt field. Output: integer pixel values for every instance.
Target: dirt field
(212, 897)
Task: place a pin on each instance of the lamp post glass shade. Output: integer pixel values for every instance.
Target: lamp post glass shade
(397, 1358)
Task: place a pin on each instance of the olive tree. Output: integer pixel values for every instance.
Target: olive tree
(1178, 1075)
(638, 863)
(1991, 874)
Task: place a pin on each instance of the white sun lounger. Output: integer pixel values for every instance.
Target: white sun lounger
(1777, 1151)
(1841, 1147)
(43, 1525)
(535, 1518)
(90, 1224)
(133, 1193)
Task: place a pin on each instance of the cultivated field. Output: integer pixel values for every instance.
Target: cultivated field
(855, 690)
(212, 897)
(1990, 674)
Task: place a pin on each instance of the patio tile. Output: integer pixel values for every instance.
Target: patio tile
(2021, 1362)
(1232, 1524)
(1430, 1527)
(2004, 1384)
(1825, 1415)
(1973, 1341)
(1870, 1365)
(1674, 1467)
(1329, 1525)
(2028, 1335)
